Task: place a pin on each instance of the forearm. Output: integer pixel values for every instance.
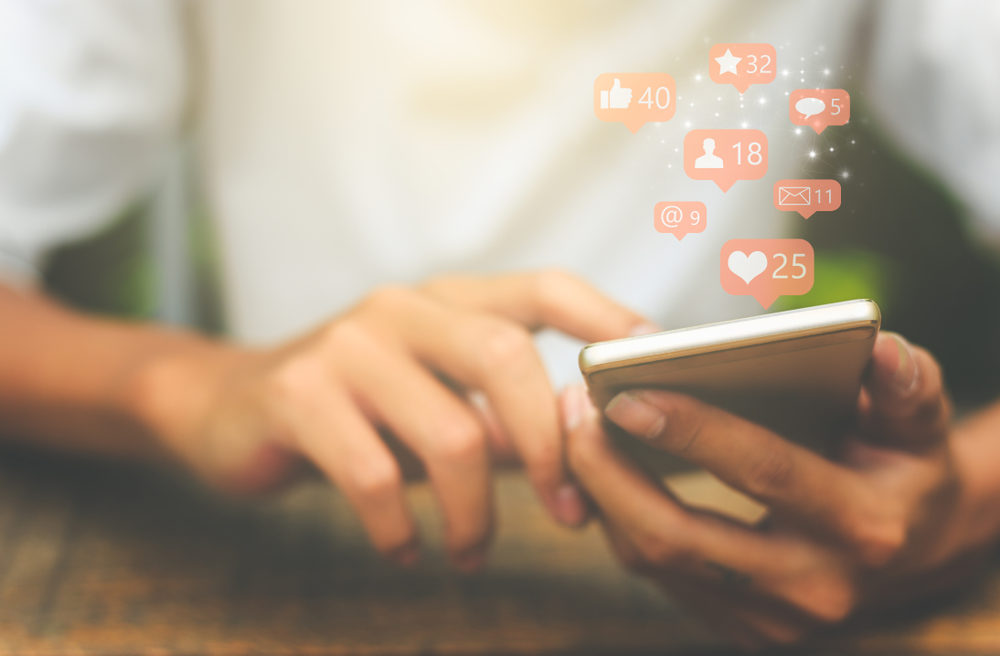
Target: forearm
(73, 382)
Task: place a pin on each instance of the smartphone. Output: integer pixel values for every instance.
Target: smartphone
(797, 372)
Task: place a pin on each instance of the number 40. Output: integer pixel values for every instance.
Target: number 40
(661, 97)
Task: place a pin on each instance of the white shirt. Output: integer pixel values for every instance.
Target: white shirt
(346, 145)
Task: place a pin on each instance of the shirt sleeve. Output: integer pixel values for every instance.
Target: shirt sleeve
(934, 83)
(91, 93)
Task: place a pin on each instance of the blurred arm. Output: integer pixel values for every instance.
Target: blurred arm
(73, 382)
(977, 452)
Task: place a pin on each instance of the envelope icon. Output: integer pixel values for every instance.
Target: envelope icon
(793, 196)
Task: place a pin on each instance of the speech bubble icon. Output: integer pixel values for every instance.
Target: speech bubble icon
(819, 108)
(680, 218)
(725, 156)
(807, 196)
(809, 106)
(635, 98)
(742, 64)
(766, 268)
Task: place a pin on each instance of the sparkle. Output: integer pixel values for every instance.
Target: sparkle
(719, 98)
(853, 142)
(784, 73)
(812, 154)
(716, 114)
(802, 80)
(687, 124)
(826, 71)
(845, 174)
(762, 100)
(798, 130)
(744, 125)
(691, 103)
(831, 149)
(697, 77)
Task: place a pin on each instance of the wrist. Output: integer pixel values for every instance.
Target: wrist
(977, 459)
(169, 387)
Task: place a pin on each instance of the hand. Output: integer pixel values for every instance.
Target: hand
(403, 362)
(840, 535)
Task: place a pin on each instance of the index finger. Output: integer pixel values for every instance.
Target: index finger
(547, 298)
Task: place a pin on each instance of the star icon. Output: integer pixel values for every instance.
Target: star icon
(728, 62)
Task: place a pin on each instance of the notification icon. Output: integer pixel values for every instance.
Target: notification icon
(725, 156)
(634, 98)
(818, 108)
(766, 268)
(742, 64)
(807, 196)
(680, 218)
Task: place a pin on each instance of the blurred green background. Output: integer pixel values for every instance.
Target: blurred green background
(898, 238)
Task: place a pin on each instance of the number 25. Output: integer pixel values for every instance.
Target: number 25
(795, 265)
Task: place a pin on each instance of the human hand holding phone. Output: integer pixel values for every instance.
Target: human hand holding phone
(890, 517)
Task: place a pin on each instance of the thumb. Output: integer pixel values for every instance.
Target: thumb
(907, 404)
(616, 85)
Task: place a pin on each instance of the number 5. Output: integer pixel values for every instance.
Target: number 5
(798, 265)
(835, 104)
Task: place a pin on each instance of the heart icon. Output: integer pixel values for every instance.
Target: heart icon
(746, 266)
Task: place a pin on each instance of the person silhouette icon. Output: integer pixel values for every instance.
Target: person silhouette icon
(709, 160)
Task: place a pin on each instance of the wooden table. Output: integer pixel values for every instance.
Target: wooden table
(105, 559)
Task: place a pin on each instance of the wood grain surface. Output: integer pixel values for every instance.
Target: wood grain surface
(98, 558)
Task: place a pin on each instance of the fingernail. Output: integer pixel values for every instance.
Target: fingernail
(644, 328)
(574, 404)
(568, 505)
(470, 561)
(636, 415)
(905, 378)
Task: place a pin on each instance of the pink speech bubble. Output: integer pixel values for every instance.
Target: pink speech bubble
(742, 64)
(634, 98)
(766, 268)
(725, 156)
(680, 218)
(807, 196)
(819, 108)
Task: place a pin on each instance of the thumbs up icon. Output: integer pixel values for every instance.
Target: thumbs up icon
(617, 97)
